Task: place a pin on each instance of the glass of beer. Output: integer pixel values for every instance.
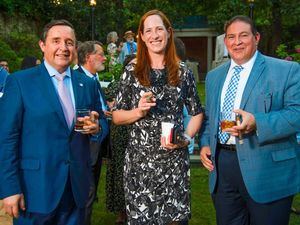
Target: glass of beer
(82, 115)
(227, 119)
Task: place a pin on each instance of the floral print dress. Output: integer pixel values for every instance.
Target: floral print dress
(156, 181)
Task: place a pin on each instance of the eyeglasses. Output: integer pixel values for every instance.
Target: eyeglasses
(100, 54)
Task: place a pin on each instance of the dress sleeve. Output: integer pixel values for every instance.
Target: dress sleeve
(192, 100)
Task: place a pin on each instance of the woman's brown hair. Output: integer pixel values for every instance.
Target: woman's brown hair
(143, 65)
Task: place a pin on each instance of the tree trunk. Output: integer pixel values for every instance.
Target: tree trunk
(276, 28)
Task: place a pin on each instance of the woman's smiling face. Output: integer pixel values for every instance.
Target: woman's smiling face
(155, 35)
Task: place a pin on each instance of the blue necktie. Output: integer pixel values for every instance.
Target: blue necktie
(229, 100)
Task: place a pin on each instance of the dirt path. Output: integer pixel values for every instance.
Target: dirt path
(4, 219)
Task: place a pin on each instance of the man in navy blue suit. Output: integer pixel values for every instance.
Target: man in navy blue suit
(91, 60)
(45, 165)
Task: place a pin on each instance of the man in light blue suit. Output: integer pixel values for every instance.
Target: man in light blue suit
(45, 165)
(254, 166)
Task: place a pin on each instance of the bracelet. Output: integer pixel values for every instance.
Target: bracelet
(187, 137)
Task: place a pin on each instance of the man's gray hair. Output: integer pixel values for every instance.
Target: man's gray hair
(86, 48)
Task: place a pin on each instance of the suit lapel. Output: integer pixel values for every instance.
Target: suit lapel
(45, 83)
(219, 86)
(78, 85)
(257, 69)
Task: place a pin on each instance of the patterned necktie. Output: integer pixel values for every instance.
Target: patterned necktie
(229, 100)
(65, 99)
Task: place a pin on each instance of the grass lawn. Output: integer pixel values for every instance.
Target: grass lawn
(201, 92)
(202, 209)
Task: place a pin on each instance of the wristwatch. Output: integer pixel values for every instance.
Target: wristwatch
(187, 137)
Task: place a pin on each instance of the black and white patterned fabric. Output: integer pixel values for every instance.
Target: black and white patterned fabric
(156, 181)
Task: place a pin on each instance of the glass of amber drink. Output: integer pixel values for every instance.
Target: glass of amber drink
(81, 117)
(227, 120)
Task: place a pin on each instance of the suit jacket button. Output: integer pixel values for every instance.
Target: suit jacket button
(67, 162)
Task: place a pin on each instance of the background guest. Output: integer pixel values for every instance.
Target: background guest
(4, 64)
(112, 48)
(29, 61)
(115, 197)
(3, 76)
(129, 47)
(91, 60)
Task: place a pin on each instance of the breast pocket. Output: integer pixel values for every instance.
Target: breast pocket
(262, 102)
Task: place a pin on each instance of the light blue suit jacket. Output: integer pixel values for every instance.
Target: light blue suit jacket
(37, 149)
(270, 157)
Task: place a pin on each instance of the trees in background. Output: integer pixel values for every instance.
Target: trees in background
(277, 20)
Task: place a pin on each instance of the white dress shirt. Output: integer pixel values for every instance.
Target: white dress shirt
(67, 81)
(103, 104)
(244, 75)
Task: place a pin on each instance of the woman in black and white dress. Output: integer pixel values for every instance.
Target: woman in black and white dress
(154, 90)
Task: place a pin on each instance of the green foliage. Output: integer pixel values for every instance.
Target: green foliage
(24, 44)
(18, 44)
(278, 21)
(10, 55)
(281, 51)
(291, 54)
(112, 72)
(220, 11)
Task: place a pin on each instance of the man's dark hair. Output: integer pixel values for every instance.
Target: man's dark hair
(28, 62)
(128, 59)
(180, 49)
(241, 18)
(52, 24)
(86, 48)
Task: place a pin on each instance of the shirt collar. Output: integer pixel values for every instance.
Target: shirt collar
(52, 71)
(88, 73)
(246, 65)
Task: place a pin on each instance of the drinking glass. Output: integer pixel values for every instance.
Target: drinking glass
(80, 119)
(227, 119)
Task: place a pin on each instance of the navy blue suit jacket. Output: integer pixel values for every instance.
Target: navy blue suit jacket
(38, 152)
